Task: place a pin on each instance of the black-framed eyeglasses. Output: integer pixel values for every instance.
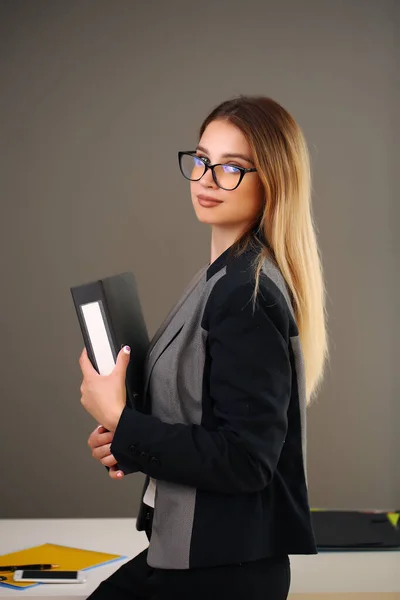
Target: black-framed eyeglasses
(226, 176)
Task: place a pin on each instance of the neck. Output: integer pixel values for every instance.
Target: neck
(221, 239)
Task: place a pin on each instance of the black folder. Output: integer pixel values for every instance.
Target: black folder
(110, 316)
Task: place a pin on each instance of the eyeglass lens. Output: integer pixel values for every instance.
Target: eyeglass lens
(193, 168)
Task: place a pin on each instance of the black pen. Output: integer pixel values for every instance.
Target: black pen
(30, 567)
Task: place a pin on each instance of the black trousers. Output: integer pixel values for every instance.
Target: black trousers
(264, 579)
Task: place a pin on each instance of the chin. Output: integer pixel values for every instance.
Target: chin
(205, 216)
(206, 219)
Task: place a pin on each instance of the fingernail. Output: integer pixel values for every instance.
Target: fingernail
(127, 349)
(119, 474)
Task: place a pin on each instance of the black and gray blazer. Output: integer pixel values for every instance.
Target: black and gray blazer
(222, 428)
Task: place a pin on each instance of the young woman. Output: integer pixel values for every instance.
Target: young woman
(221, 432)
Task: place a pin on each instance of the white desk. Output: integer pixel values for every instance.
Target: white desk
(326, 576)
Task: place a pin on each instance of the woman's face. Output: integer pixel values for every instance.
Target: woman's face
(220, 142)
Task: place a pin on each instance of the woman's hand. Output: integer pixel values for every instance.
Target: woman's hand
(104, 396)
(100, 441)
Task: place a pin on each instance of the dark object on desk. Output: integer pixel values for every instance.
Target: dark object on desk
(110, 316)
(11, 568)
(354, 530)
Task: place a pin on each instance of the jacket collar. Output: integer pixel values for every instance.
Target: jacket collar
(219, 263)
(227, 256)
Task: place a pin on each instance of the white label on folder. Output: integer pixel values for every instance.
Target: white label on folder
(96, 329)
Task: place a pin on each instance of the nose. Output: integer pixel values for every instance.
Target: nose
(207, 180)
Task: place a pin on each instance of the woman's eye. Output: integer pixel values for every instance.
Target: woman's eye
(231, 169)
(200, 160)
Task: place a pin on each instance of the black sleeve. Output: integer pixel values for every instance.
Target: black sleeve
(250, 386)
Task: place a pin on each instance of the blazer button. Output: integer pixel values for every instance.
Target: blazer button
(154, 461)
(144, 455)
(133, 449)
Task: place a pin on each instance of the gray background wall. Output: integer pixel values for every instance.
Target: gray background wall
(96, 99)
(396, 238)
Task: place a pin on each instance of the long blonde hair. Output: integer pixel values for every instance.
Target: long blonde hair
(287, 226)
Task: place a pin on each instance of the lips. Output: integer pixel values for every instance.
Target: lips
(208, 199)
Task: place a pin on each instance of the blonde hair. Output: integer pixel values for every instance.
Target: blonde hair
(282, 160)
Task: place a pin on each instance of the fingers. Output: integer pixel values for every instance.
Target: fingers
(115, 473)
(100, 442)
(108, 461)
(103, 454)
(99, 430)
(99, 437)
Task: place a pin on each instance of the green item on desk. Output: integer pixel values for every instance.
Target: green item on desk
(394, 518)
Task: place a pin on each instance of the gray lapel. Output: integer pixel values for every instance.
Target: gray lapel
(160, 341)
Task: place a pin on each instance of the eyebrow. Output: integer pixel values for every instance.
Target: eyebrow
(229, 155)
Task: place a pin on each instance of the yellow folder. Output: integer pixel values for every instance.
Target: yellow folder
(67, 558)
